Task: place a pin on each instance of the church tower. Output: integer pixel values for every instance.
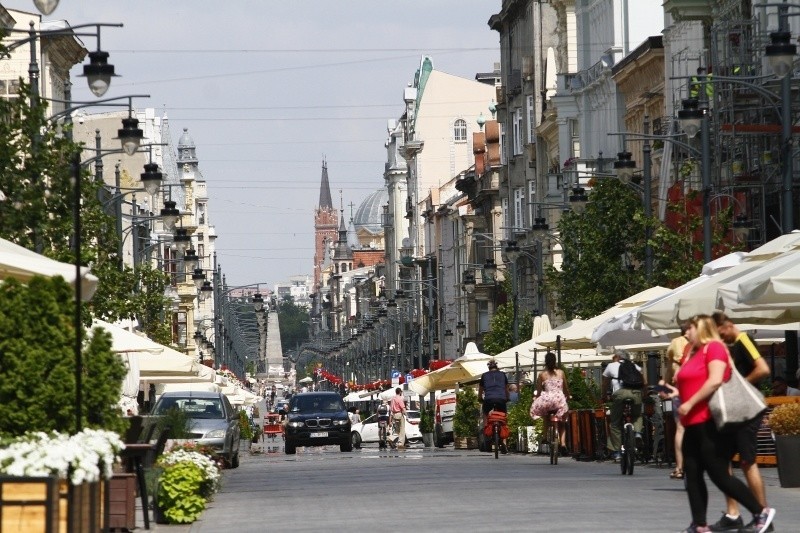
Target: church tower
(326, 223)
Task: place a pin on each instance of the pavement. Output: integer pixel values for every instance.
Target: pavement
(580, 496)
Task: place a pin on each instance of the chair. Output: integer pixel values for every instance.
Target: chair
(134, 429)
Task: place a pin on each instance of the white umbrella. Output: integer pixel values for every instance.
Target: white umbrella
(466, 367)
(22, 264)
(306, 380)
(578, 334)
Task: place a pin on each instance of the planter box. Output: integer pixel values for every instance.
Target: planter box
(122, 502)
(50, 505)
(787, 448)
(465, 443)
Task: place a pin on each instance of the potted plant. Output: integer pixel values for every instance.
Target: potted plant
(426, 423)
(466, 419)
(519, 419)
(785, 424)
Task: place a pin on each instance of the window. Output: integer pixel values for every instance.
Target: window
(460, 131)
(574, 133)
(519, 202)
(504, 206)
(503, 144)
(531, 198)
(517, 131)
(531, 121)
(482, 308)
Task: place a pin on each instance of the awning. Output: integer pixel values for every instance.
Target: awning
(466, 367)
(22, 264)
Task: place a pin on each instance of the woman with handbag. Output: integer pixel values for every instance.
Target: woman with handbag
(705, 449)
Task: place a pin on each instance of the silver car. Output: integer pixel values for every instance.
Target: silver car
(213, 421)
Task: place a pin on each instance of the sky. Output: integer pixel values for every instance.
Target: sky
(268, 88)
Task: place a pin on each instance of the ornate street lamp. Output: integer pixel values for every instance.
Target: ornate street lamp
(781, 53)
(469, 281)
(169, 215)
(190, 259)
(198, 278)
(182, 240)
(46, 7)
(151, 178)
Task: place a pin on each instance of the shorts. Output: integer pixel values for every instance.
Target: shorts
(747, 441)
(497, 405)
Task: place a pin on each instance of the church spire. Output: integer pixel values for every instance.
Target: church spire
(325, 201)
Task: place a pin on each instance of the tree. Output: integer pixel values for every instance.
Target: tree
(603, 251)
(37, 363)
(500, 336)
(293, 322)
(36, 179)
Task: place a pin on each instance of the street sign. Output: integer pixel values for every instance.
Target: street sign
(395, 378)
(409, 378)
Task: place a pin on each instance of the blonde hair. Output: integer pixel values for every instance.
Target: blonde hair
(706, 328)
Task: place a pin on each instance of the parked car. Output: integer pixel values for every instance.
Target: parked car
(367, 430)
(412, 416)
(213, 420)
(317, 419)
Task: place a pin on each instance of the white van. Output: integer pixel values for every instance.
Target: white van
(445, 412)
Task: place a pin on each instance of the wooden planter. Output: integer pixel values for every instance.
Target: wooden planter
(50, 505)
(122, 502)
(465, 443)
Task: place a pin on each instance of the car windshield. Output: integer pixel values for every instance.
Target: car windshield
(315, 404)
(198, 408)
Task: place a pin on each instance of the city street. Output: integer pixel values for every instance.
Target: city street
(419, 489)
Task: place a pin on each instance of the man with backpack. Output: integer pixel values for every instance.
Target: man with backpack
(626, 381)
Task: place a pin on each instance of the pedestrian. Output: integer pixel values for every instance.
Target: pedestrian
(513, 395)
(706, 450)
(622, 390)
(398, 409)
(781, 388)
(675, 354)
(552, 393)
(753, 368)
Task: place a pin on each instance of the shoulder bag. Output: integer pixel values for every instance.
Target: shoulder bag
(736, 402)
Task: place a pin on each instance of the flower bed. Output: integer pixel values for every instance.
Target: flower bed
(188, 479)
(85, 457)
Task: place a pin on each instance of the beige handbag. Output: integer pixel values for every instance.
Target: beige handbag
(736, 402)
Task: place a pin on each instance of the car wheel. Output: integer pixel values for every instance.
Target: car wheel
(355, 439)
(235, 460)
(289, 448)
(346, 446)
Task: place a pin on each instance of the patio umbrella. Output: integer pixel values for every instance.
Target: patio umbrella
(466, 367)
(578, 334)
(306, 380)
(22, 264)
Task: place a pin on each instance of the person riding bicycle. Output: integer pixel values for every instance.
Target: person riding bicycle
(624, 387)
(493, 393)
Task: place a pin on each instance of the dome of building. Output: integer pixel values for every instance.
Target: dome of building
(370, 212)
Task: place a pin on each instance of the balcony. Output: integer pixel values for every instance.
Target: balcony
(689, 9)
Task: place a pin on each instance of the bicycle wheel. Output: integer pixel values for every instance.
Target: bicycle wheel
(623, 457)
(552, 443)
(630, 449)
(496, 439)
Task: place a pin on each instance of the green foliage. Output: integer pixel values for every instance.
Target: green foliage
(468, 413)
(519, 413)
(678, 251)
(179, 492)
(36, 177)
(178, 422)
(293, 322)
(244, 426)
(500, 336)
(426, 420)
(37, 363)
(585, 391)
(603, 252)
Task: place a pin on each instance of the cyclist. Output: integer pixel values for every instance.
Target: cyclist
(621, 392)
(493, 393)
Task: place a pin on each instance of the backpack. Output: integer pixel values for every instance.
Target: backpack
(629, 376)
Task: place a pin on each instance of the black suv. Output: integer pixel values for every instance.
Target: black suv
(317, 419)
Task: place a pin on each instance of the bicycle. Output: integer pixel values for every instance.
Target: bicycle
(628, 445)
(553, 442)
(497, 429)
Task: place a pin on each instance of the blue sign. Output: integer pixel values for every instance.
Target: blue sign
(395, 374)
(409, 378)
